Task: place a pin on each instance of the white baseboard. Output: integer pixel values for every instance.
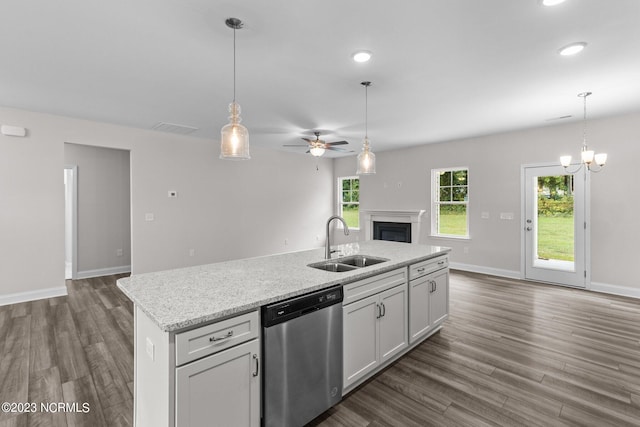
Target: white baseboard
(607, 288)
(510, 274)
(87, 274)
(33, 295)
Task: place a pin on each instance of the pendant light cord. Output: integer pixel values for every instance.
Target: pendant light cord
(584, 126)
(366, 111)
(234, 64)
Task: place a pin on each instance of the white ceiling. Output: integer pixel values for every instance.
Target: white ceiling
(441, 70)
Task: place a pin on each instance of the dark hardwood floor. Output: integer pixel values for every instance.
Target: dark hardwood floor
(73, 349)
(512, 353)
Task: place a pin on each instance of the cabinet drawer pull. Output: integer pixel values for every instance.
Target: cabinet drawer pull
(441, 263)
(420, 270)
(214, 339)
(384, 310)
(255, 357)
(379, 315)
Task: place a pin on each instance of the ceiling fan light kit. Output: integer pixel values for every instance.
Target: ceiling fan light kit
(317, 146)
(234, 137)
(366, 158)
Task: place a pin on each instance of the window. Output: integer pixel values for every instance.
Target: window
(450, 202)
(349, 200)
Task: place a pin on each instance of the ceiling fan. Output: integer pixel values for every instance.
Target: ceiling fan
(317, 146)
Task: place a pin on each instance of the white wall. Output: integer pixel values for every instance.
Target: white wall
(104, 210)
(494, 168)
(224, 210)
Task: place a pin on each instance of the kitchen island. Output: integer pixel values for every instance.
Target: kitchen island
(187, 316)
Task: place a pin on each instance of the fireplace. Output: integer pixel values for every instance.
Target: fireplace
(392, 231)
(405, 222)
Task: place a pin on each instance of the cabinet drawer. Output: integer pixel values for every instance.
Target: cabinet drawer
(197, 343)
(425, 267)
(363, 288)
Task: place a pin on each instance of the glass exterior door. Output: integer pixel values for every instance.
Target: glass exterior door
(555, 227)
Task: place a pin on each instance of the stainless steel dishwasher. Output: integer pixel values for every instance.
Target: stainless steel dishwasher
(302, 357)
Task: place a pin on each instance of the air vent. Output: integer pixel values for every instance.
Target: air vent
(174, 128)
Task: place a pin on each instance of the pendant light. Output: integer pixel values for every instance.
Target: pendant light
(234, 137)
(587, 156)
(366, 158)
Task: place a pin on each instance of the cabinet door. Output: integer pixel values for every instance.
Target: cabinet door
(360, 339)
(419, 322)
(439, 297)
(222, 389)
(393, 322)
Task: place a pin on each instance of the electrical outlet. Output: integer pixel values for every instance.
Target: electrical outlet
(149, 217)
(506, 215)
(192, 252)
(119, 252)
(286, 242)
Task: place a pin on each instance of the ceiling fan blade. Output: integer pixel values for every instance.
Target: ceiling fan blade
(309, 140)
(339, 149)
(337, 143)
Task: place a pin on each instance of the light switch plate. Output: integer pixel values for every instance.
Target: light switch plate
(149, 217)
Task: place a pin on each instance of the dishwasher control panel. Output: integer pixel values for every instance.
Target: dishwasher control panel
(279, 312)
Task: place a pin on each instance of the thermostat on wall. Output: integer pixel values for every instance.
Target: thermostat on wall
(13, 130)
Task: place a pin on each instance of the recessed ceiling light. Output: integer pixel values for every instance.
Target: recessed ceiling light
(552, 2)
(361, 56)
(572, 49)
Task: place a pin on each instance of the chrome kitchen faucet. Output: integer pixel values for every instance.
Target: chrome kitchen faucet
(327, 251)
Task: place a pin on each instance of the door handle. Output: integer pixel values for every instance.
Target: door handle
(379, 315)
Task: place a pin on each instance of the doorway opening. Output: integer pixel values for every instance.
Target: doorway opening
(70, 222)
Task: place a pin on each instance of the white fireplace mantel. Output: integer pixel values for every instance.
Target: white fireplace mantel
(404, 216)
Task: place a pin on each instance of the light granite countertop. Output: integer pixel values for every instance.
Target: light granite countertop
(181, 298)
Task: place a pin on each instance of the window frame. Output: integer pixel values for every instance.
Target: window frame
(341, 179)
(436, 203)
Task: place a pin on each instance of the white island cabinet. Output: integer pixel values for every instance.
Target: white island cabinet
(384, 316)
(212, 377)
(375, 323)
(198, 335)
(428, 296)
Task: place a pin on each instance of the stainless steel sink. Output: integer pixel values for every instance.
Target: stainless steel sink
(347, 263)
(332, 266)
(361, 260)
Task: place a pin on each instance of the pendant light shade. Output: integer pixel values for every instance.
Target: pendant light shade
(234, 137)
(366, 158)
